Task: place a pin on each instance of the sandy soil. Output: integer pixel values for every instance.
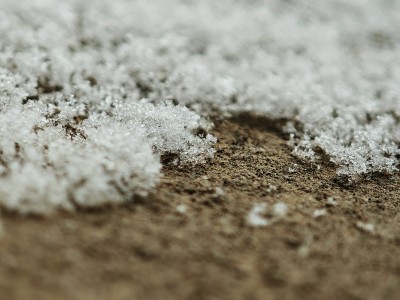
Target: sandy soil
(148, 250)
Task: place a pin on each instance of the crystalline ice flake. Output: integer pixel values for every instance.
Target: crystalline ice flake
(255, 218)
(280, 209)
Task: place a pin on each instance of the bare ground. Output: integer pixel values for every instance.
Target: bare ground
(148, 250)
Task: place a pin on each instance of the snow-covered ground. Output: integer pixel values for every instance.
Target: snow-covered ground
(93, 92)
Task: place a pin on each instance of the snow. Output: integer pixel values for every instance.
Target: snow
(219, 192)
(319, 213)
(255, 218)
(182, 208)
(367, 227)
(280, 209)
(330, 201)
(92, 93)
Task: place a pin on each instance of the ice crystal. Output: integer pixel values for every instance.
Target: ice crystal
(182, 208)
(255, 218)
(367, 227)
(319, 213)
(280, 209)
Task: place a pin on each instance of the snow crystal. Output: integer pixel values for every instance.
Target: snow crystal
(368, 227)
(181, 208)
(331, 201)
(280, 209)
(319, 213)
(219, 192)
(272, 188)
(255, 217)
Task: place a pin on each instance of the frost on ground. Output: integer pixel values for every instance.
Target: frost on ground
(256, 216)
(368, 227)
(319, 213)
(93, 92)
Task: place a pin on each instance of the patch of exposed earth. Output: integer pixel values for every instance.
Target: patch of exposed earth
(191, 240)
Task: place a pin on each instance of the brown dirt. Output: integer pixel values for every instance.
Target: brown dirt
(148, 250)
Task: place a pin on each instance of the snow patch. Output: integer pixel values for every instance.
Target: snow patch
(93, 93)
(319, 213)
(182, 208)
(280, 209)
(255, 217)
(367, 227)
